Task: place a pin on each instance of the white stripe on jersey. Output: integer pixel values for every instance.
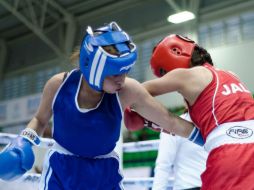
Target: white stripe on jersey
(214, 96)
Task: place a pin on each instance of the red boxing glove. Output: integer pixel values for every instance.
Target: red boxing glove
(132, 120)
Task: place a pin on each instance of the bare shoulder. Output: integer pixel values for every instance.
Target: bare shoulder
(185, 75)
(176, 75)
(132, 87)
(49, 91)
(199, 78)
(131, 83)
(130, 91)
(181, 73)
(199, 68)
(54, 82)
(175, 80)
(201, 73)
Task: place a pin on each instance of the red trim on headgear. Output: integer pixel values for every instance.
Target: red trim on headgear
(172, 52)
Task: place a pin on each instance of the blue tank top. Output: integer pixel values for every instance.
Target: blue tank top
(85, 132)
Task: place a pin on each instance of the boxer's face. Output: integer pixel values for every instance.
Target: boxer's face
(114, 83)
(111, 50)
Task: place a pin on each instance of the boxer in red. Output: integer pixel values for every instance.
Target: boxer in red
(219, 104)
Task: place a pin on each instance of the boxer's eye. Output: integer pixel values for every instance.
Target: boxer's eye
(111, 50)
(162, 71)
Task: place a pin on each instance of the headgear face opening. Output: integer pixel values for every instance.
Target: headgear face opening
(96, 62)
(173, 52)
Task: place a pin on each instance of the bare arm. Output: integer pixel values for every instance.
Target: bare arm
(172, 81)
(133, 94)
(188, 82)
(40, 121)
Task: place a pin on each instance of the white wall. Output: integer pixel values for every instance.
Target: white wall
(237, 58)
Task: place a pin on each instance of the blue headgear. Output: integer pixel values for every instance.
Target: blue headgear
(96, 63)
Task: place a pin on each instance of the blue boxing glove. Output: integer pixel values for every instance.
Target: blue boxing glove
(196, 137)
(18, 157)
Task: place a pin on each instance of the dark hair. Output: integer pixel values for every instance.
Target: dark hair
(200, 56)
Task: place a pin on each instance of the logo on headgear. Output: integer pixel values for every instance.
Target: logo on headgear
(126, 68)
(239, 132)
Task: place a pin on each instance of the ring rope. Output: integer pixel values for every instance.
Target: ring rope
(140, 146)
(127, 182)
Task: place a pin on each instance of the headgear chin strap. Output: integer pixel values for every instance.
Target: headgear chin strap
(173, 52)
(96, 64)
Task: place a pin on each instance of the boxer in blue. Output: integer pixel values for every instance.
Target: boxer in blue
(87, 105)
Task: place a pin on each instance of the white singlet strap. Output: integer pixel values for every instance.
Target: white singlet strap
(58, 148)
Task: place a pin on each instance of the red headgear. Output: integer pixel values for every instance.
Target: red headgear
(173, 52)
